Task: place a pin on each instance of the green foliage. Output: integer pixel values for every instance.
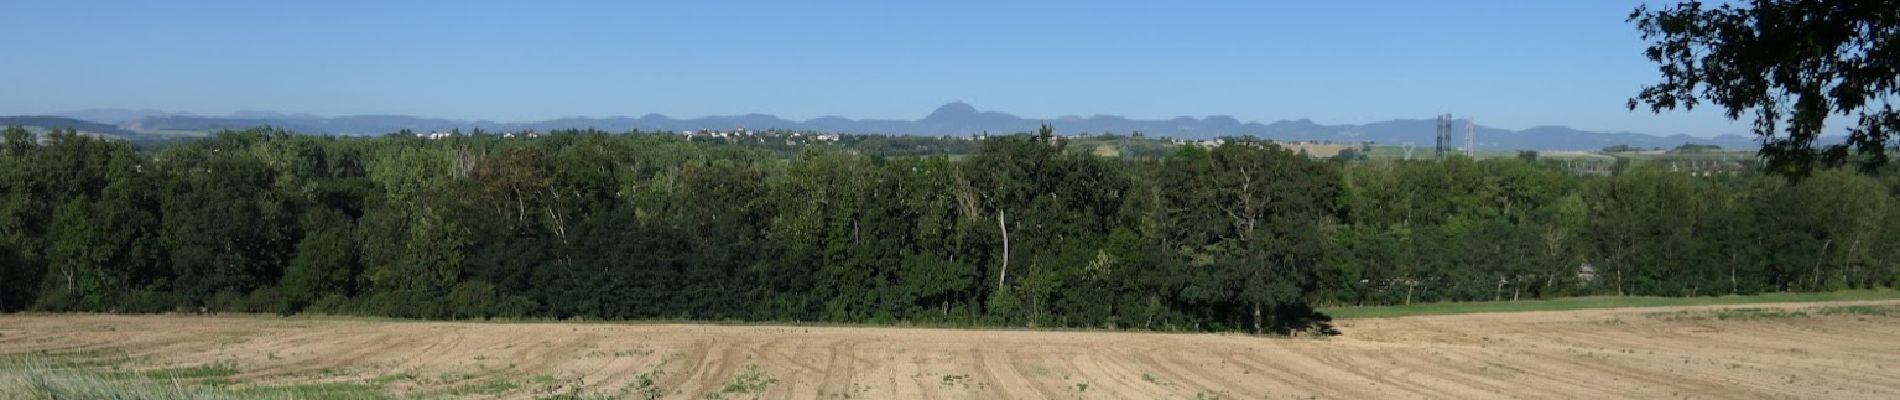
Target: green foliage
(1024, 232)
(325, 263)
(1791, 63)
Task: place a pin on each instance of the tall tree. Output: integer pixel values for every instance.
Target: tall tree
(1791, 63)
(326, 264)
(23, 211)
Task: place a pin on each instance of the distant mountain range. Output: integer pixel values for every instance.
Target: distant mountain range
(60, 122)
(955, 118)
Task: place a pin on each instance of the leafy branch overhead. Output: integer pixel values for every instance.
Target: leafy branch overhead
(1791, 65)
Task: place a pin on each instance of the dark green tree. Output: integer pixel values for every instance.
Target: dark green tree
(326, 263)
(1791, 63)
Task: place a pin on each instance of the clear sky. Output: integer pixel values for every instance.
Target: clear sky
(1508, 63)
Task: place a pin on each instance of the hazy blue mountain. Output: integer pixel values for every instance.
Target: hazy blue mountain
(353, 124)
(42, 124)
(268, 114)
(113, 116)
(959, 118)
(51, 122)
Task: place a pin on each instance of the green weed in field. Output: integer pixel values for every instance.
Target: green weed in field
(753, 381)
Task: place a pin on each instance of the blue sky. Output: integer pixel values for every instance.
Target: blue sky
(1511, 64)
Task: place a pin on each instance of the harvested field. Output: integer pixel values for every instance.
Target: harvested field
(1803, 350)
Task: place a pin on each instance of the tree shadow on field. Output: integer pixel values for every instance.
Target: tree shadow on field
(1298, 320)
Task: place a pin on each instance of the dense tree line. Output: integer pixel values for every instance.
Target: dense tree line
(583, 224)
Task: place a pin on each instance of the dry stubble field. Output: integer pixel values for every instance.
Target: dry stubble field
(1802, 350)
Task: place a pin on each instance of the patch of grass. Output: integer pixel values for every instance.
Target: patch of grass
(647, 384)
(96, 358)
(1731, 314)
(46, 379)
(753, 381)
(1756, 314)
(318, 391)
(1860, 311)
(98, 374)
(542, 380)
(578, 396)
(489, 387)
(953, 380)
(387, 379)
(573, 387)
(1156, 380)
(1594, 302)
(962, 381)
(1753, 314)
(1737, 314)
(51, 384)
(217, 370)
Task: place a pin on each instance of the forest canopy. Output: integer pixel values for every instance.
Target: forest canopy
(1245, 235)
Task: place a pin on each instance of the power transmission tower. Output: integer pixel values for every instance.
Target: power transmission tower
(1471, 137)
(1442, 145)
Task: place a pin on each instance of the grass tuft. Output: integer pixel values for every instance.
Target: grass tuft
(90, 376)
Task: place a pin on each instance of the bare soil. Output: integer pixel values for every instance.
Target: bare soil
(1674, 352)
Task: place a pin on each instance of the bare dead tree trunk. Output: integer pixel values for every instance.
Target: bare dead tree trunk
(1256, 318)
(521, 207)
(1619, 280)
(556, 219)
(1815, 281)
(1409, 285)
(1553, 247)
(1001, 223)
(1852, 268)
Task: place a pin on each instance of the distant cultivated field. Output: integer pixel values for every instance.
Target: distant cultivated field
(1847, 349)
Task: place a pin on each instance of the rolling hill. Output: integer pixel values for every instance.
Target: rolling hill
(956, 118)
